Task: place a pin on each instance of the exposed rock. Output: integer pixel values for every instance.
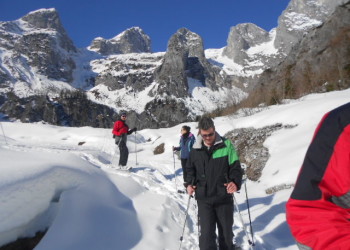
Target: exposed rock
(249, 144)
(277, 188)
(40, 49)
(241, 38)
(133, 40)
(299, 17)
(159, 149)
(166, 112)
(49, 52)
(133, 70)
(185, 59)
(319, 63)
(67, 110)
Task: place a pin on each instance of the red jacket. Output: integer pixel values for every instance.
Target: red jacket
(120, 128)
(318, 211)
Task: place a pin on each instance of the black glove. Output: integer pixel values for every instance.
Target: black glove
(113, 135)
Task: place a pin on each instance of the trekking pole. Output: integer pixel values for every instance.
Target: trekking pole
(250, 220)
(136, 149)
(3, 133)
(240, 215)
(241, 218)
(183, 228)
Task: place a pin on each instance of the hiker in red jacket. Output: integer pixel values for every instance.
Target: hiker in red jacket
(318, 211)
(120, 132)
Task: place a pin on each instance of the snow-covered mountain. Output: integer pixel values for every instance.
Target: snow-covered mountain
(41, 70)
(36, 55)
(307, 52)
(60, 179)
(299, 17)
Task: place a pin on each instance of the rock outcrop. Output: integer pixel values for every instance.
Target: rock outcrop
(133, 40)
(51, 51)
(185, 59)
(318, 63)
(241, 38)
(299, 17)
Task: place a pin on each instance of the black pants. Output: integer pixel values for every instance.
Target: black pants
(212, 214)
(183, 165)
(124, 153)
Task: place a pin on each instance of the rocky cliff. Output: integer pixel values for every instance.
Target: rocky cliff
(319, 62)
(133, 40)
(185, 59)
(49, 53)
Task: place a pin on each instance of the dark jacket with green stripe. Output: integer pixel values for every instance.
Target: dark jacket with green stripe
(209, 169)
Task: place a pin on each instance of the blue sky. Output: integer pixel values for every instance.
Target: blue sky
(160, 19)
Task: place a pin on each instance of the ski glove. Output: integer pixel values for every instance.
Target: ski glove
(131, 131)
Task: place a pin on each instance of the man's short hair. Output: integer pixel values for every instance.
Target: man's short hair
(205, 123)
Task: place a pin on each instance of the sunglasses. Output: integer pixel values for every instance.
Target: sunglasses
(207, 135)
(123, 115)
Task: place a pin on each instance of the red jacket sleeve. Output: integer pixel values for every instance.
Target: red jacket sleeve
(314, 217)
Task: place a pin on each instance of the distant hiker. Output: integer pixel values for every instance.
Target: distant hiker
(187, 140)
(120, 132)
(318, 211)
(214, 173)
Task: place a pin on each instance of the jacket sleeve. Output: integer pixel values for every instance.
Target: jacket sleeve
(318, 211)
(319, 224)
(234, 168)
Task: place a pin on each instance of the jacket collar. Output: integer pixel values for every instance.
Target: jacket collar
(199, 142)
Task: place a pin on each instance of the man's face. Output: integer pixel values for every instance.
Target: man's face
(208, 136)
(123, 117)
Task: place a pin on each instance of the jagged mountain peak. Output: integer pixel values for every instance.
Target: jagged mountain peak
(44, 19)
(185, 63)
(131, 31)
(186, 36)
(132, 40)
(250, 33)
(242, 37)
(187, 41)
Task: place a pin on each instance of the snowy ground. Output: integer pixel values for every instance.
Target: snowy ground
(49, 181)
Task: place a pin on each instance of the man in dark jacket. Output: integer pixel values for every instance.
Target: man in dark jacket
(214, 173)
(318, 211)
(120, 132)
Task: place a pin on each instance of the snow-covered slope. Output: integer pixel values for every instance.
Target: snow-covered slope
(48, 180)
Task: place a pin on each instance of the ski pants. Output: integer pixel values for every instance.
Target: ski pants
(183, 165)
(212, 214)
(124, 153)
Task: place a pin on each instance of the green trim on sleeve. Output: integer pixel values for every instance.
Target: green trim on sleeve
(228, 151)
